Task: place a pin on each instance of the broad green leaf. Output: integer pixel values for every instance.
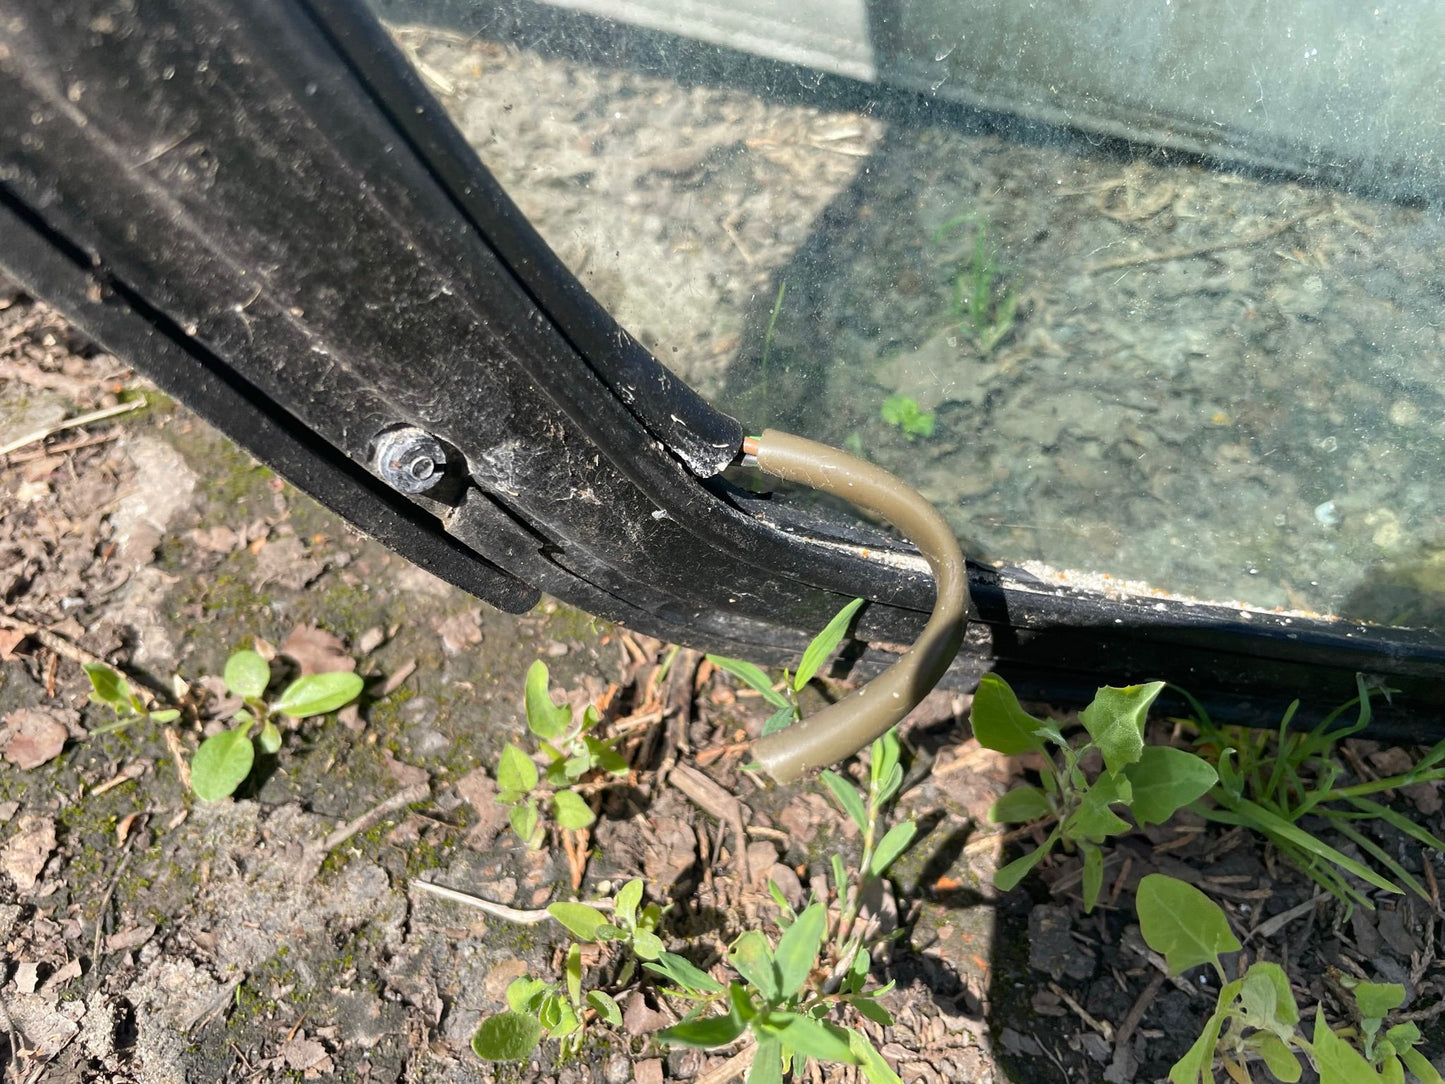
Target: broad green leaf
(1197, 1064)
(1270, 823)
(1020, 805)
(797, 949)
(753, 677)
(222, 763)
(1182, 923)
(573, 971)
(547, 720)
(840, 875)
(523, 819)
(685, 973)
(571, 811)
(1115, 722)
(848, 797)
(883, 758)
(875, 1068)
(581, 919)
(872, 1010)
(567, 1021)
(647, 945)
(605, 1006)
(1417, 1064)
(524, 994)
(1378, 999)
(1164, 780)
(999, 723)
(811, 1038)
(269, 740)
(704, 1034)
(752, 958)
(779, 720)
(316, 694)
(893, 844)
(823, 644)
(516, 774)
(108, 686)
(767, 1066)
(1093, 873)
(247, 675)
(624, 904)
(1281, 1060)
(1006, 878)
(604, 756)
(1337, 1061)
(507, 1036)
(1267, 1000)
(1094, 820)
(1392, 1070)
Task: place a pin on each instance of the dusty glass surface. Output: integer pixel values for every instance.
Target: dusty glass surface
(1099, 358)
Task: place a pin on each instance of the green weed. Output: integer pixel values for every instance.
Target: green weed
(1152, 782)
(982, 309)
(903, 414)
(571, 752)
(1269, 781)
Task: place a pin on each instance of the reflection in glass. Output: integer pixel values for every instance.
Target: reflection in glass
(1092, 355)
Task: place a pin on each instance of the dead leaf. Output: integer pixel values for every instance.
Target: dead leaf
(217, 539)
(134, 937)
(302, 1053)
(10, 639)
(317, 651)
(639, 1018)
(479, 791)
(34, 736)
(405, 774)
(460, 631)
(286, 563)
(27, 850)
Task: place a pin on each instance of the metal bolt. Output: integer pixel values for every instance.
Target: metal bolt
(410, 459)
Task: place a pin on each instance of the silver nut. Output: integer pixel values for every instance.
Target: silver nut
(410, 459)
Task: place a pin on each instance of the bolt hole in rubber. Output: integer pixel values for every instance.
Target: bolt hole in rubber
(841, 729)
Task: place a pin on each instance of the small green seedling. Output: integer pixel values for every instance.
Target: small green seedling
(571, 751)
(981, 309)
(1269, 781)
(903, 414)
(885, 777)
(785, 702)
(776, 1002)
(1391, 1052)
(224, 760)
(1151, 781)
(109, 687)
(537, 1009)
(1255, 1016)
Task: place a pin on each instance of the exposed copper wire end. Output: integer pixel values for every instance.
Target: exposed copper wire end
(750, 445)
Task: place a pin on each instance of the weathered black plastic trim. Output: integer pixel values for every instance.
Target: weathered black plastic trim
(577, 482)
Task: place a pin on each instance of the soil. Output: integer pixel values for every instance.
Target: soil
(281, 935)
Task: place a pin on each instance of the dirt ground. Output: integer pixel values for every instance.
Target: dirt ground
(152, 938)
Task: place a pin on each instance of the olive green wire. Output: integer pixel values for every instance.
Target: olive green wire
(842, 729)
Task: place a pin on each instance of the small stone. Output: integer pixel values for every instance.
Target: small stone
(648, 1071)
(1404, 412)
